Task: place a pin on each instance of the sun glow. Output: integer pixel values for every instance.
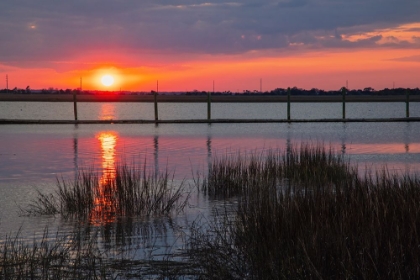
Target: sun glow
(107, 80)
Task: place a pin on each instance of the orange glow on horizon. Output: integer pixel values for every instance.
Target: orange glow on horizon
(320, 69)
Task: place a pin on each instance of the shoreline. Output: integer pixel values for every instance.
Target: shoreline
(202, 98)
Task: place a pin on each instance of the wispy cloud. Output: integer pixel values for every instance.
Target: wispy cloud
(413, 58)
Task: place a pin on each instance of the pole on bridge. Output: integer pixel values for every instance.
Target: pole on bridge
(407, 103)
(288, 104)
(344, 91)
(75, 99)
(156, 105)
(75, 105)
(209, 106)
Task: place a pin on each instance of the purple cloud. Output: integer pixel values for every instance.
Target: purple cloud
(48, 30)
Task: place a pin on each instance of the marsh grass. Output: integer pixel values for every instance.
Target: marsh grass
(307, 214)
(79, 256)
(56, 257)
(303, 165)
(303, 213)
(126, 192)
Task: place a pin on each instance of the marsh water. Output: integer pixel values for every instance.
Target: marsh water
(33, 157)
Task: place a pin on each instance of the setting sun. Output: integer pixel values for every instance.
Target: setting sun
(107, 80)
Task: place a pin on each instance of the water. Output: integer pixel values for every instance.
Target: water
(100, 110)
(32, 157)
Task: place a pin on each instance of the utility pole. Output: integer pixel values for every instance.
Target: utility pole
(260, 85)
(7, 83)
(81, 81)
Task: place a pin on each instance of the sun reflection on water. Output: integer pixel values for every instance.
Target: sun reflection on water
(107, 111)
(104, 210)
(108, 141)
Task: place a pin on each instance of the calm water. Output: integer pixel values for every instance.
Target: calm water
(33, 156)
(89, 111)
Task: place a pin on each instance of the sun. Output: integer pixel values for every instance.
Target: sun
(107, 80)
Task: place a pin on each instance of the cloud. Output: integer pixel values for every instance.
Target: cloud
(49, 30)
(413, 58)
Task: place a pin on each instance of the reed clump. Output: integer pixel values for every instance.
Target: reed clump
(307, 214)
(299, 165)
(125, 192)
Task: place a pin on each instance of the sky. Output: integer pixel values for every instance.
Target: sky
(187, 45)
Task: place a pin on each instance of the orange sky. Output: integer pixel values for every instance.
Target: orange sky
(326, 69)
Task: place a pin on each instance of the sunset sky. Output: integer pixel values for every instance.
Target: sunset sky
(187, 45)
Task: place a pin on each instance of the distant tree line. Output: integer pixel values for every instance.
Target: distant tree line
(314, 91)
(365, 91)
(28, 90)
(277, 91)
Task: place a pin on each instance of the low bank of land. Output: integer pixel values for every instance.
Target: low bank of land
(203, 98)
